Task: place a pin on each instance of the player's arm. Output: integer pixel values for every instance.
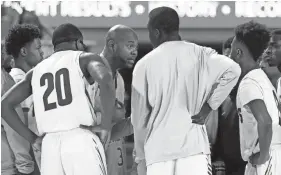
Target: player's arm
(10, 100)
(140, 108)
(264, 120)
(227, 77)
(93, 66)
(122, 129)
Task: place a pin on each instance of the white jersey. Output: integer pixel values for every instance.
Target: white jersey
(59, 93)
(255, 85)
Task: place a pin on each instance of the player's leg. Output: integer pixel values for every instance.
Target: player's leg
(51, 155)
(82, 153)
(163, 168)
(195, 165)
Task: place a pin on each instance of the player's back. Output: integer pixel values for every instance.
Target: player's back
(60, 101)
(180, 76)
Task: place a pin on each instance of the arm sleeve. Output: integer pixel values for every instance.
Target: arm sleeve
(227, 73)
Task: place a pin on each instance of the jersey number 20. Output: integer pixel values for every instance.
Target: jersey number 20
(55, 82)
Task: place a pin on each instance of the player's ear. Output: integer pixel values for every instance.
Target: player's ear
(23, 51)
(239, 53)
(157, 33)
(111, 44)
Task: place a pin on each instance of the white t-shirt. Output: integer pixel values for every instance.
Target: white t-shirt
(255, 85)
(171, 84)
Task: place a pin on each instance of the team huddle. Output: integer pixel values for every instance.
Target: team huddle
(70, 106)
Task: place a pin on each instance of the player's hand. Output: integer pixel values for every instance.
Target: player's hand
(202, 115)
(257, 159)
(37, 144)
(198, 119)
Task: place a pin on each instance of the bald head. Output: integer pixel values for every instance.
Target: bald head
(122, 45)
(120, 33)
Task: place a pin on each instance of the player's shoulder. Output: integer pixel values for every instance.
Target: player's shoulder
(198, 49)
(251, 80)
(86, 57)
(255, 75)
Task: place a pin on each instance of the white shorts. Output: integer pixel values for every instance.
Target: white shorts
(72, 152)
(271, 167)
(116, 158)
(195, 165)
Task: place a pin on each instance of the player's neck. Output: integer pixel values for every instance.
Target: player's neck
(279, 67)
(249, 67)
(64, 47)
(173, 37)
(22, 65)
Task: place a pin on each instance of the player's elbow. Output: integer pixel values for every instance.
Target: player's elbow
(266, 120)
(236, 70)
(4, 105)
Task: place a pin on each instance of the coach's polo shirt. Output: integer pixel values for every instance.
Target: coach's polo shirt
(171, 84)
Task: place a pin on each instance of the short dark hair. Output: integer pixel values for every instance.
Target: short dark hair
(276, 32)
(164, 18)
(18, 36)
(255, 36)
(66, 33)
(227, 43)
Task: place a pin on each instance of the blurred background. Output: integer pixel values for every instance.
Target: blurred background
(207, 23)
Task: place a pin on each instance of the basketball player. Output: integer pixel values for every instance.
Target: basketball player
(24, 45)
(119, 52)
(171, 84)
(273, 55)
(61, 105)
(260, 133)
(19, 41)
(15, 158)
